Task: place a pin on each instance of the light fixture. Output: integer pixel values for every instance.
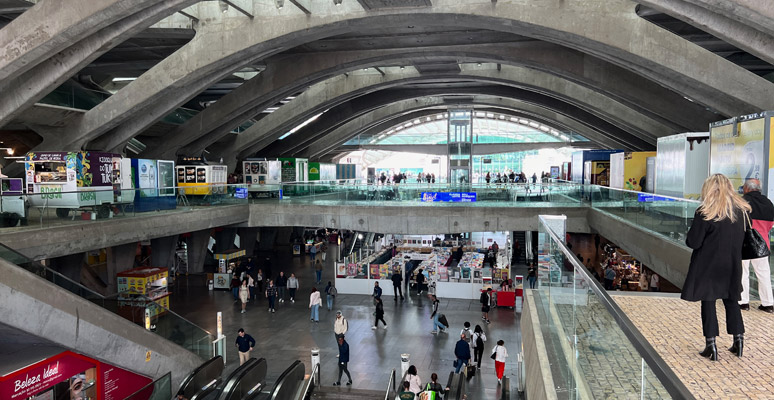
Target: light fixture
(9, 150)
(337, 2)
(402, 67)
(479, 64)
(279, 3)
(359, 235)
(223, 7)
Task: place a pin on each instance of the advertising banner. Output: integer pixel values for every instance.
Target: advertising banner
(166, 177)
(146, 177)
(452, 197)
(736, 148)
(43, 375)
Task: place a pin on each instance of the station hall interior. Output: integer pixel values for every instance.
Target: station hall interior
(174, 171)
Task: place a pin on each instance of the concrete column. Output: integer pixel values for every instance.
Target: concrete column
(224, 239)
(119, 259)
(163, 251)
(197, 250)
(247, 239)
(69, 266)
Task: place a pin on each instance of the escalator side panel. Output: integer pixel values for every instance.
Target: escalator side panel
(202, 376)
(289, 383)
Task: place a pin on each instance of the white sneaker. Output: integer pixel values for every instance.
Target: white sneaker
(385, 327)
(373, 328)
(243, 311)
(292, 301)
(337, 356)
(269, 308)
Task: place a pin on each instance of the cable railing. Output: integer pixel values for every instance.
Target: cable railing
(165, 323)
(585, 328)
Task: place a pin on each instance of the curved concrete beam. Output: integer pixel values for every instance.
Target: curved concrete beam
(291, 74)
(754, 13)
(50, 26)
(343, 88)
(747, 38)
(26, 89)
(612, 32)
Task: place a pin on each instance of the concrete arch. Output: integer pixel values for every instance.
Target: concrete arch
(640, 47)
(289, 75)
(342, 88)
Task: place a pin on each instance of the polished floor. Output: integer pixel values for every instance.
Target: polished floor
(289, 335)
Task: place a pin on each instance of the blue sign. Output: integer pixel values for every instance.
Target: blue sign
(649, 198)
(241, 193)
(453, 197)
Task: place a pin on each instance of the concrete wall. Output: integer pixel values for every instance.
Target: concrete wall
(667, 258)
(40, 308)
(425, 220)
(539, 381)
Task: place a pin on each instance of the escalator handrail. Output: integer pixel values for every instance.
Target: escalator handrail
(309, 383)
(198, 369)
(390, 385)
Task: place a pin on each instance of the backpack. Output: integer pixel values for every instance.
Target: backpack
(467, 334)
(483, 298)
(479, 342)
(332, 291)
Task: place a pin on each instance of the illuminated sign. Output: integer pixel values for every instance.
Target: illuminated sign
(451, 197)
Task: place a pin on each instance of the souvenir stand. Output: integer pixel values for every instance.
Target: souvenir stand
(142, 293)
(227, 262)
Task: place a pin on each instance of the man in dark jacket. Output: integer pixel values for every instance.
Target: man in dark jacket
(343, 360)
(762, 218)
(281, 283)
(396, 281)
(462, 352)
(244, 344)
(377, 291)
(420, 281)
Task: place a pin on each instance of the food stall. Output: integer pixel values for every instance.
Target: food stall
(12, 204)
(262, 176)
(227, 263)
(143, 292)
(196, 177)
(76, 181)
(682, 164)
(628, 170)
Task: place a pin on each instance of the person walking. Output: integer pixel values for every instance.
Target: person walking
(323, 251)
(318, 268)
(486, 304)
(292, 287)
(397, 280)
(609, 278)
(271, 295)
(437, 325)
(235, 283)
(313, 252)
(259, 282)
(281, 283)
(314, 304)
(466, 333)
(343, 360)
(462, 354)
(406, 393)
(340, 326)
(434, 386)
(330, 294)
(479, 337)
(716, 236)
(379, 314)
(244, 344)
(244, 294)
(420, 282)
(654, 282)
(377, 294)
(500, 353)
(762, 220)
(532, 276)
(415, 384)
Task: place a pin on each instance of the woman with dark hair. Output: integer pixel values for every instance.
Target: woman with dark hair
(437, 325)
(500, 353)
(715, 271)
(415, 384)
(434, 386)
(379, 314)
(479, 337)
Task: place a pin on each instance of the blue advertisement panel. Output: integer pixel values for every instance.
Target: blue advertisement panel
(241, 193)
(649, 198)
(452, 197)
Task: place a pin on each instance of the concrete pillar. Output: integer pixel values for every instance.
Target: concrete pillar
(197, 250)
(119, 259)
(163, 251)
(247, 239)
(224, 239)
(69, 266)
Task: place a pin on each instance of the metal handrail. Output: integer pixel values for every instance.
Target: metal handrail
(309, 383)
(673, 385)
(390, 385)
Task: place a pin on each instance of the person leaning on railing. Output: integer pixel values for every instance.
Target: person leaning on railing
(716, 236)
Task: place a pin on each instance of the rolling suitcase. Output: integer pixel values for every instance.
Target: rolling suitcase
(443, 321)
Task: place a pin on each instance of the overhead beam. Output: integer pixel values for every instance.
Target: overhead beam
(479, 149)
(303, 5)
(240, 9)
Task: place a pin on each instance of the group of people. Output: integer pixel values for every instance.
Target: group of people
(513, 177)
(401, 177)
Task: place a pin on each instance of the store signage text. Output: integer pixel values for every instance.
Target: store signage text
(51, 192)
(453, 197)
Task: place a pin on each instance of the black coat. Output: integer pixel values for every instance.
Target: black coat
(715, 271)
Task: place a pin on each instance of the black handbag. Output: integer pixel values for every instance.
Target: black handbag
(754, 245)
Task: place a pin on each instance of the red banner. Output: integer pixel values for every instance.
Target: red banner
(41, 376)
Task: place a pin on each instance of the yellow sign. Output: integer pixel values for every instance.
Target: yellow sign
(147, 356)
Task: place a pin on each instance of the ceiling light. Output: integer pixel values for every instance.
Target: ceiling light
(402, 67)
(381, 136)
(337, 2)
(564, 137)
(123, 79)
(280, 3)
(479, 64)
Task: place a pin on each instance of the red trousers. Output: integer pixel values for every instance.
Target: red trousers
(499, 369)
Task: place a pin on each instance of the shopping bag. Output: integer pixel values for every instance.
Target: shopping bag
(471, 371)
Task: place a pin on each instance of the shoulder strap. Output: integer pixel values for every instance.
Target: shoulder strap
(747, 221)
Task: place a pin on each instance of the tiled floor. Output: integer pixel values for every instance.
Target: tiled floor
(289, 335)
(673, 327)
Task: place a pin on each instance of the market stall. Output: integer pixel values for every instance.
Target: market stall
(143, 293)
(227, 263)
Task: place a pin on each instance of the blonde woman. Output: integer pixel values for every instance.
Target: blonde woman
(715, 272)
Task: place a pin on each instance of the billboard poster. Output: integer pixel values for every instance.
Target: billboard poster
(736, 149)
(166, 177)
(451, 197)
(146, 177)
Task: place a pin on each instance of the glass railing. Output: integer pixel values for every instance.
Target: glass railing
(164, 322)
(56, 207)
(594, 349)
(160, 389)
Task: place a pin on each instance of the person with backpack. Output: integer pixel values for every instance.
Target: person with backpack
(466, 333)
(340, 325)
(479, 337)
(331, 293)
(486, 303)
(437, 325)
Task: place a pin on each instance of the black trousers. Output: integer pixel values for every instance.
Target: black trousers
(709, 318)
(397, 290)
(343, 368)
(379, 318)
(478, 354)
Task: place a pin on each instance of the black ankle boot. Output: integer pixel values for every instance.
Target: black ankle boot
(711, 350)
(738, 346)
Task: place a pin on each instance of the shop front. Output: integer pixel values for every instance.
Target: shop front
(69, 375)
